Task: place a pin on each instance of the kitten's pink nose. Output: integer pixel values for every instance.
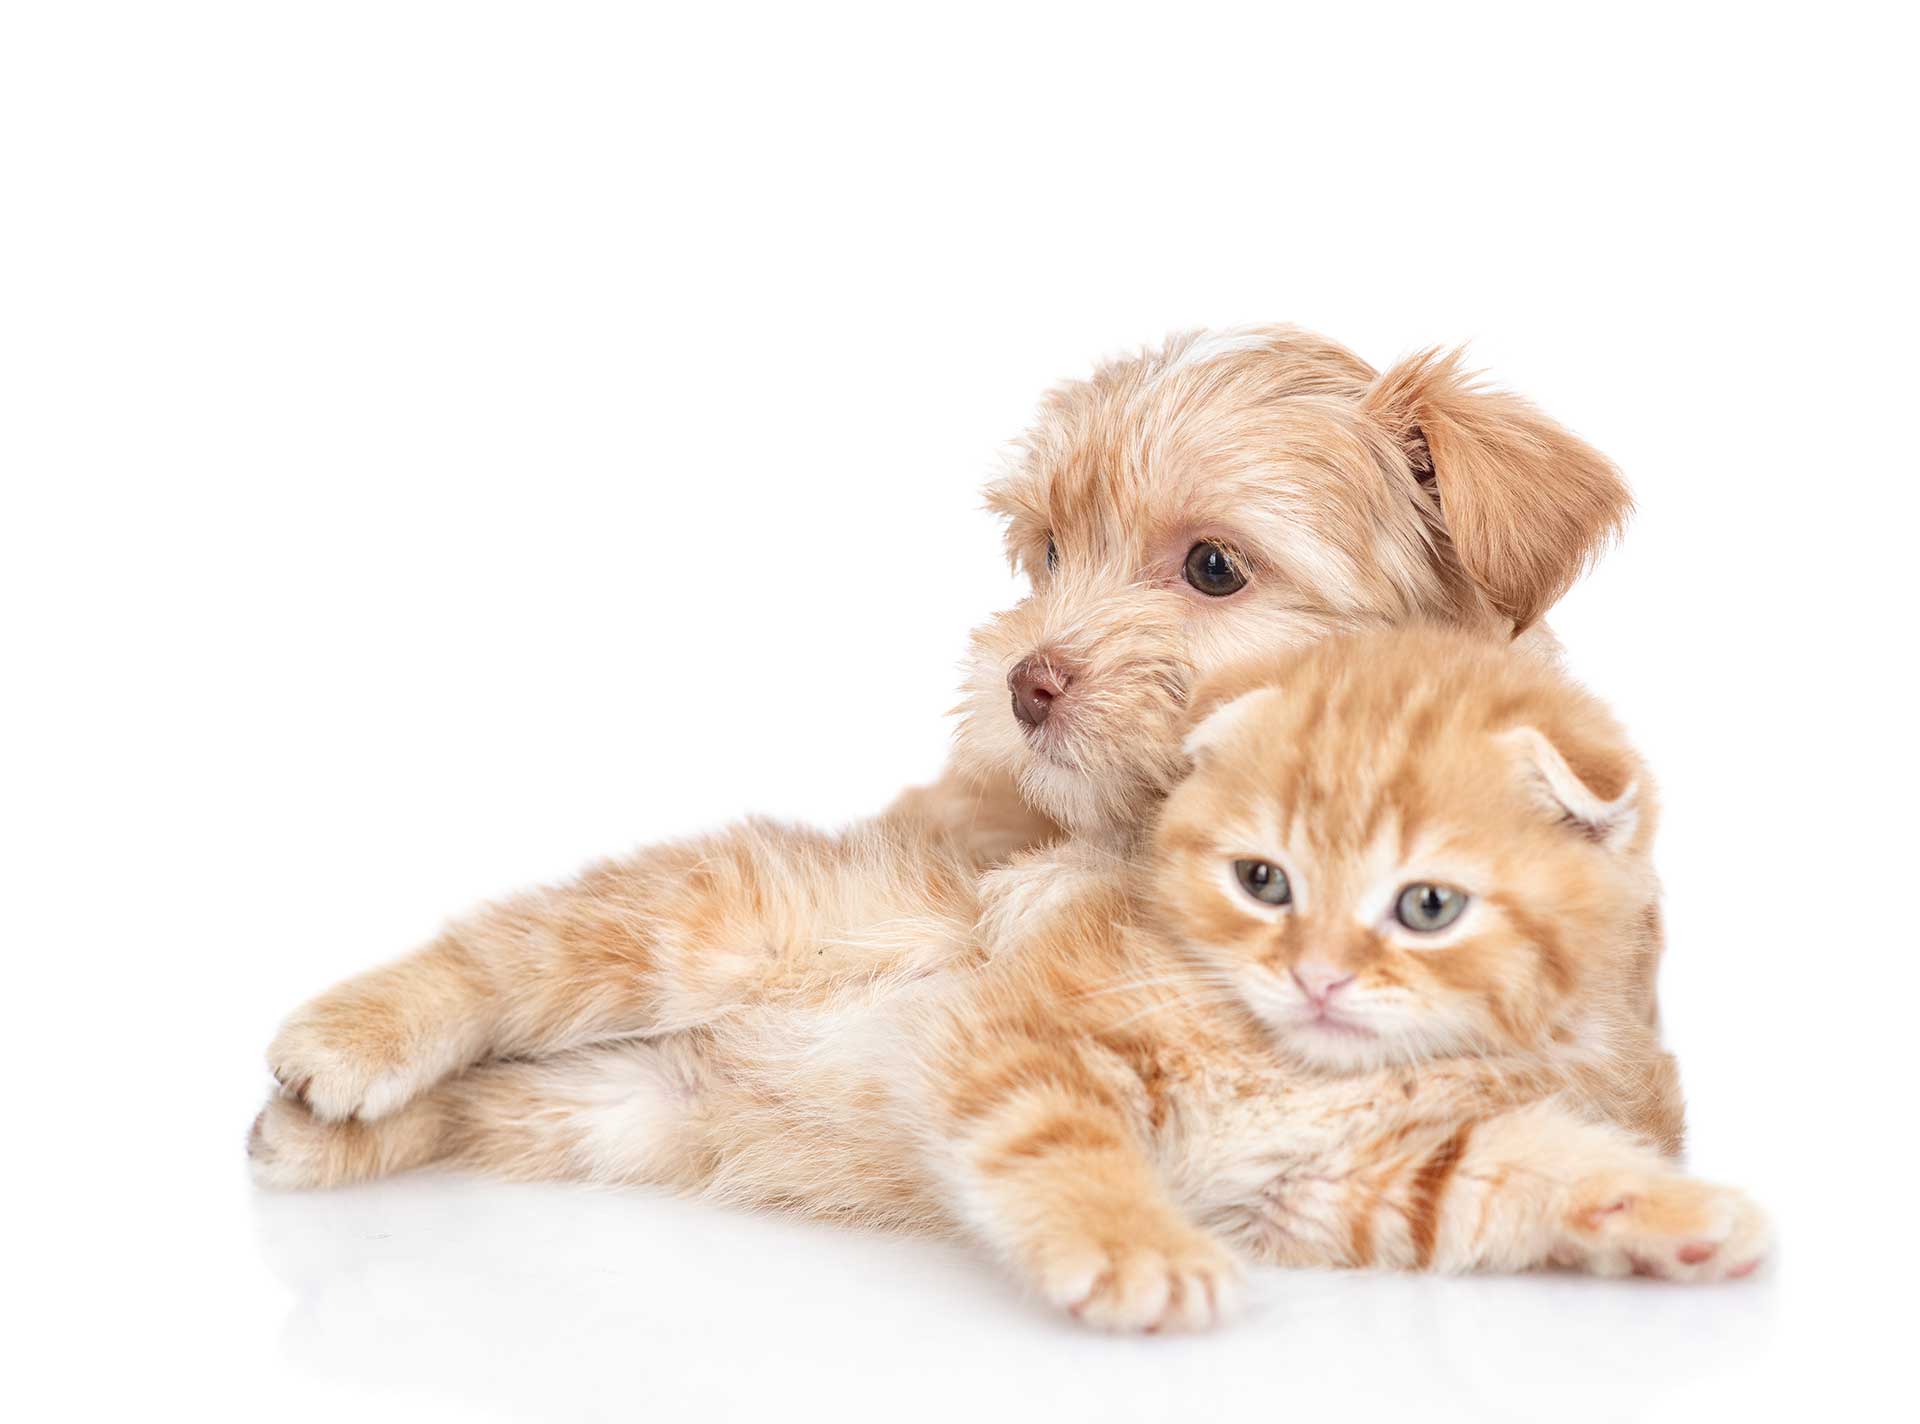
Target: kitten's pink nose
(1319, 982)
(1036, 683)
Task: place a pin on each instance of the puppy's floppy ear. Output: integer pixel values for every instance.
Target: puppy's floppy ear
(1525, 503)
(1576, 800)
(1019, 498)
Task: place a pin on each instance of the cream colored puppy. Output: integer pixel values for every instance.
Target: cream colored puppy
(1229, 493)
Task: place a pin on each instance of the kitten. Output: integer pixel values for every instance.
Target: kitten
(1227, 494)
(1370, 998)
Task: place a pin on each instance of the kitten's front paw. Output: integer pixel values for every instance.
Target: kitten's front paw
(1667, 1226)
(343, 1059)
(1176, 1279)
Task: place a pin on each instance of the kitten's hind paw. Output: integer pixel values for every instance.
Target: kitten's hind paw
(288, 1148)
(344, 1059)
(1669, 1227)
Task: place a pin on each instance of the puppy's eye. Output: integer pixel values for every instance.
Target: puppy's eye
(1210, 570)
(1053, 555)
(1427, 908)
(1264, 880)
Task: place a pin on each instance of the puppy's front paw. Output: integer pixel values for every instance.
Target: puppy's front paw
(1667, 1226)
(343, 1058)
(1173, 1278)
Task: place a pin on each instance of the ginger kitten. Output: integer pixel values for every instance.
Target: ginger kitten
(1373, 997)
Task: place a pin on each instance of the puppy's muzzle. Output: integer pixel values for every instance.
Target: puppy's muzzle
(1037, 683)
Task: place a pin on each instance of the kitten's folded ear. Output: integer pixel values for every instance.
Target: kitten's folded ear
(1227, 701)
(1577, 801)
(1526, 504)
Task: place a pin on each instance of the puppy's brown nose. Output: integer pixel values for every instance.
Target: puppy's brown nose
(1036, 684)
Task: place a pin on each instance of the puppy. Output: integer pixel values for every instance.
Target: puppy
(1249, 490)
(1229, 493)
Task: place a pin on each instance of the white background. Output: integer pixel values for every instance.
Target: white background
(445, 443)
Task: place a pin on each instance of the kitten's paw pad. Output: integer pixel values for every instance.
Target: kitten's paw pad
(288, 1148)
(340, 1062)
(1183, 1281)
(1671, 1228)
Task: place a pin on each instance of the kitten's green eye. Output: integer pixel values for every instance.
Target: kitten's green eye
(1427, 908)
(1210, 570)
(1264, 880)
(1053, 555)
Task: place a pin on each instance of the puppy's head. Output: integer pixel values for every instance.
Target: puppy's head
(1250, 491)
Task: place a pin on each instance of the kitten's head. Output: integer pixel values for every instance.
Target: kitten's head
(1411, 844)
(1241, 492)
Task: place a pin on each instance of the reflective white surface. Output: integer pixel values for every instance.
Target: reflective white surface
(438, 1297)
(557, 1304)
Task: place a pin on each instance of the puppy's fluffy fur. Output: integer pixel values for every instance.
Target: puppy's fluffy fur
(1341, 496)
(1156, 1078)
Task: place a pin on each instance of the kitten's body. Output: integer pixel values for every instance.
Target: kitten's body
(1094, 1069)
